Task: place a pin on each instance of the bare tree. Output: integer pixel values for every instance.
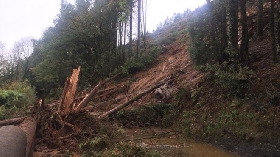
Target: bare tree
(21, 51)
(2, 59)
(2, 48)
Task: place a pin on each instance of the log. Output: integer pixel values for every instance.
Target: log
(12, 142)
(137, 97)
(69, 91)
(89, 96)
(28, 126)
(13, 121)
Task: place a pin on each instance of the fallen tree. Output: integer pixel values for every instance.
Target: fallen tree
(14, 121)
(28, 126)
(137, 97)
(17, 140)
(12, 141)
(89, 96)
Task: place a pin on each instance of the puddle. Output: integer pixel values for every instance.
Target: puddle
(171, 145)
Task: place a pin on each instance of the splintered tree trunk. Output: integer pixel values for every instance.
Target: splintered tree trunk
(69, 91)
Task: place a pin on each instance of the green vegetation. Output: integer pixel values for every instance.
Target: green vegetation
(238, 99)
(218, 117)
(16, 99)
(233, 78)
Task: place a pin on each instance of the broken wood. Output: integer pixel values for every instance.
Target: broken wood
(137, 97)
(13, 121)
(28, 126)
(89, 96)
(69, 91)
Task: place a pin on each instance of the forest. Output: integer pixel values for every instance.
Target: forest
(97, 75)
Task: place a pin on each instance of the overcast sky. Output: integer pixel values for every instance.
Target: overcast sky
(24, 18)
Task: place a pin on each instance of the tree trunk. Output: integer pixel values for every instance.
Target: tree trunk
(272, 33)
(69, 91)
(116, 109)
(224, 39)
(28, 126)
(89, 96)
(120, 36)
(233, 23)
(124, 41)
(12, 142)
(13, 121)
(244, 55)
(278, 35)
(139, 28)
(130, 26)
(260, 19)
(144, 13)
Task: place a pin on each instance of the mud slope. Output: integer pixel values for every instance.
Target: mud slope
(174, 62)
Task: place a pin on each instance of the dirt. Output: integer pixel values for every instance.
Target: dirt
(173, 63)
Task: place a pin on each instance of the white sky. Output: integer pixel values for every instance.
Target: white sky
(24, 18)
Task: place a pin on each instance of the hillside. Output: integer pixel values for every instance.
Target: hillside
(174, 62)
(194, 104)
